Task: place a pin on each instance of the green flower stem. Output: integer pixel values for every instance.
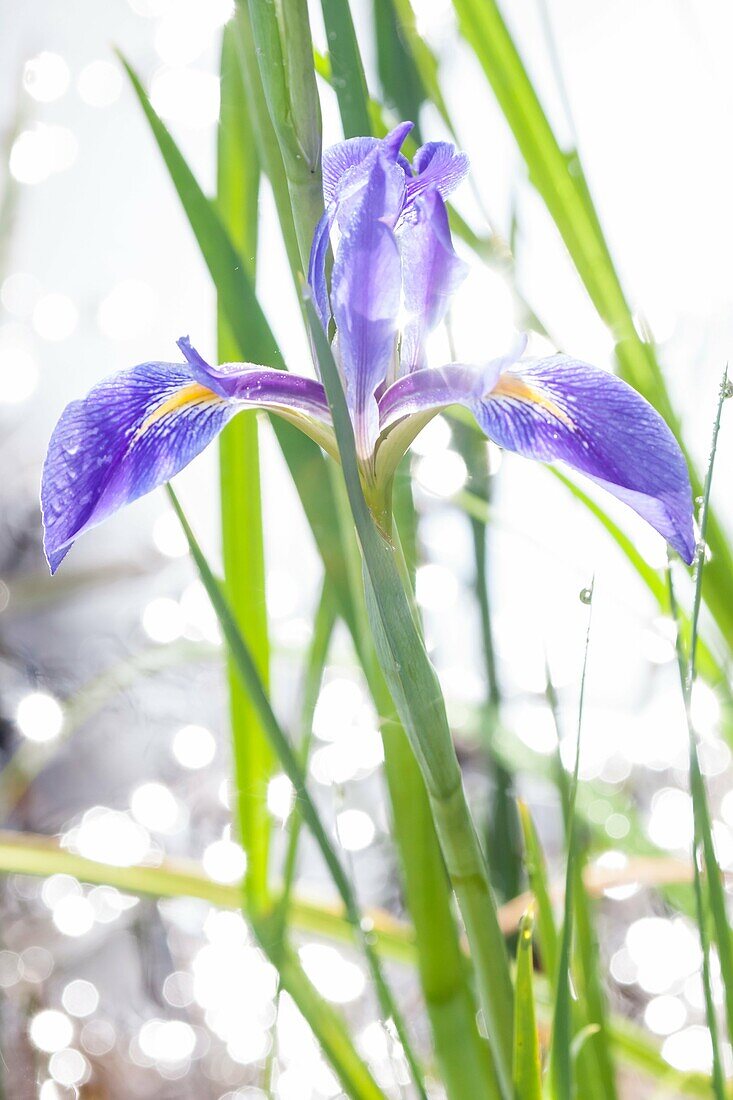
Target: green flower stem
(268, 149)
(416, 691)
(241, 505)
(460, 1051)
(285, 54)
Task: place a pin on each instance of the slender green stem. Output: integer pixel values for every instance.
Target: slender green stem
(561, 1079)
(285, 53)
(710, 899)
(268, 150)
(415, 689)
(460, 1051)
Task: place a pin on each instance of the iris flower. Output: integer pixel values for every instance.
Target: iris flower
(394, 271)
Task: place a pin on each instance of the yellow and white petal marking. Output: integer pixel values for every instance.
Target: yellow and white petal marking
(187, 397)
(515, 388)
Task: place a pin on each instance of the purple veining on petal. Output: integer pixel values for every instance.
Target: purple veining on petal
(133, 431)
(563, 409)
(340, 159)
(136, 430)
(437, 164)
(431, 273)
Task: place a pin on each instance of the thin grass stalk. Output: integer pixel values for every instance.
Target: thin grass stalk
(415, 689)
(539, 886)
(710, 898)
(291, 766)
(241, 505)
(594, 1068)
(561, 1055)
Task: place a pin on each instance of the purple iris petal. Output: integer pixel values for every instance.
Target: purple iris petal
(559, 408)
(264, 387)
(317, 265)
(339, 159)
(562, 409)
(136, 430)
(434, 388)
(437, 164)
(365, 294)
(431, 273)
(132, 432)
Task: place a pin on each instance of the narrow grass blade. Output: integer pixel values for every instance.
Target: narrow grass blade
(710, 894)
(402, 88)
(241, 508)
(417, 695)
(422, 58)
(527, 1074)
(292, 768)
(33, 854)
(347, 70)
(561, 1053)
(323, 625)
(560, 180)
(594, 1059)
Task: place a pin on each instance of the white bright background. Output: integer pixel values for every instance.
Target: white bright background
(100, 272)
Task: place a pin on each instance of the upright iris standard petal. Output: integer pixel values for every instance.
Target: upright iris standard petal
(437, 165)
(365, 295)
(340, 159)
(346, 168)
(136, 430)
(559, 408)
(431, 273)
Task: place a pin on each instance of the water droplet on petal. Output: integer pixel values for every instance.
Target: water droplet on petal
(586, 595)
